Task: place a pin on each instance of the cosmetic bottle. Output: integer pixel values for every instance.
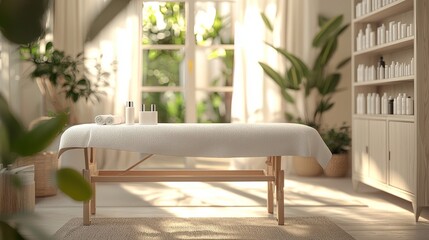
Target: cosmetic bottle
(141, 114)
(148, 117)
(390, 105)
(383, 34)
(382, 66)
(377, 104)
(368, 103)
(129, 112)
(410, 106)
(384, 104)
(404, 104)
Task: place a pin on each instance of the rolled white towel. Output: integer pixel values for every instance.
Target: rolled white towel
(108, 119)
(100, 119)
(113, 119)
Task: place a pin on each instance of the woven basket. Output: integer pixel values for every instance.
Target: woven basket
(306, 166)
(15, 199)
(45, 165)
(337, 166)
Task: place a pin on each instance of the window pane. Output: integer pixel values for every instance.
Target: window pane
(215, 67)
(162, 67)
(214, 107)
(213, 23)
(164, 23)
(170, 106)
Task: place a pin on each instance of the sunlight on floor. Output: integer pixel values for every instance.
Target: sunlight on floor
(238, 194)
(195, 193)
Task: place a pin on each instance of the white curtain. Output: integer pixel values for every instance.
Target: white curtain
(118, 44)
(256, 97)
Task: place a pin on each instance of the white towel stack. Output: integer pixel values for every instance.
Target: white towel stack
(108, 119)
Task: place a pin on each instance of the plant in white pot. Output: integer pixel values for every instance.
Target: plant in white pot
(316, 82)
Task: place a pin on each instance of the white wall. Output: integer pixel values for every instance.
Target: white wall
(21, 93)
(342, 109)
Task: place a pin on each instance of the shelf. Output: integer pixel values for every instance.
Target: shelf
(405, 118)
(394, 8)
(398, 44)
(385, 81)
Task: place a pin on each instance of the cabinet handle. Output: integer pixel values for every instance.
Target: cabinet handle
(389, 155)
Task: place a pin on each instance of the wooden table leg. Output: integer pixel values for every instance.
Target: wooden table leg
(280, 199)
(270, 197)
(87, 204)
(93, 167)
(279, 181)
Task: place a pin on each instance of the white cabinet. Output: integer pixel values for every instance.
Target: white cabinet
(402, 156)
(360, 147)
(390, 57)
(377, 150)
(369, 149)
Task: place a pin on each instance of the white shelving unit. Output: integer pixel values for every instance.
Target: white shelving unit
(391, 151)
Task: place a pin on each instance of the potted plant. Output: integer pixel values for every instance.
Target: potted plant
(338, 141)
(314, 80)
(62, 79)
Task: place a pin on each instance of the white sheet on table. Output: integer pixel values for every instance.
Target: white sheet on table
(202, 140)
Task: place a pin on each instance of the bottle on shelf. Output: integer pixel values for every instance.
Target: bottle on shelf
(391, 106)
(377, 104)
(381, 68)
(410, 106)
(404, 104)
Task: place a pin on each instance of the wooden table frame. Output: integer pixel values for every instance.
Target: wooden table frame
(273, 175)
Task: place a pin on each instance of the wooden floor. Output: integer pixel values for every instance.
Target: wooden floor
(368, 214)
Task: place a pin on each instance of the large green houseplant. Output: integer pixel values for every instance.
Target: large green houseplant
(314, 78)
(298, 76)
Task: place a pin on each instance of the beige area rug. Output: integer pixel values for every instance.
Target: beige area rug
(201, 228)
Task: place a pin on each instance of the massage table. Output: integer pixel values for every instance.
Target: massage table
(270, 140)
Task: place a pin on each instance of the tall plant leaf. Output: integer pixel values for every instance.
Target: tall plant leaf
(294, 60)
(326, 53)
(323, 106)
(325, 33)
(287, 96)
(294, 78)
(267, 22)
(38, 138)
(273, 74)
(343, 63)
(73, 184)
(11, 123)
(8, 232)
(322, 20)
(329, 84)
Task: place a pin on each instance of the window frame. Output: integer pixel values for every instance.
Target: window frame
(188, 87)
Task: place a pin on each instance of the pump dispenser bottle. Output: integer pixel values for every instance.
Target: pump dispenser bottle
(129, 112)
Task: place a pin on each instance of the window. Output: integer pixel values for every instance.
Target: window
(188, 55)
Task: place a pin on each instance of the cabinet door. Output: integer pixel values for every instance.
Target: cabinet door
(402, 151)
(377, 150)
(360, 147)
